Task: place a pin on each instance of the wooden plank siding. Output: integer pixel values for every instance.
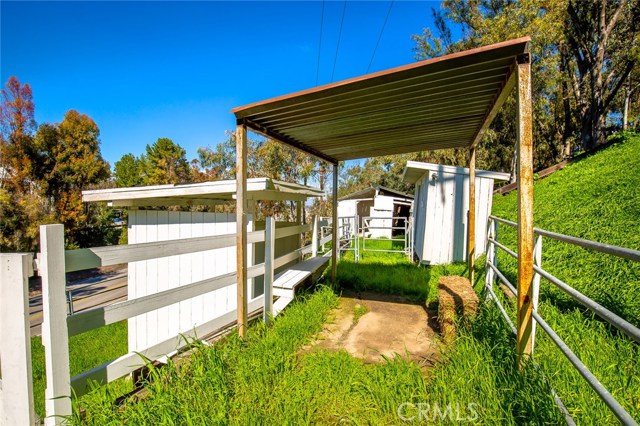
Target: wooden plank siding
(150, 276)
(440, 217)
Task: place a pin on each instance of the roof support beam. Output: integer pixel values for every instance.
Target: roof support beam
(241, 227)
(524, 340)
(280, 138)
(507, 87)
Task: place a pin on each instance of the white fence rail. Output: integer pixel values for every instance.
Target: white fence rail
(53, 262)
(493, 272)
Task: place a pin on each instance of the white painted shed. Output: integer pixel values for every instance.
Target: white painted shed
(378, 202)
(441, 207)
(148, 224)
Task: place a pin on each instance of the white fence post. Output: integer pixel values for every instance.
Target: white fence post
(269, 255)
(537, 260)
(16, 405)
(314, 237)
(55, 336)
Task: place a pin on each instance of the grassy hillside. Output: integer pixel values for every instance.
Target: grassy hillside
(597, 198)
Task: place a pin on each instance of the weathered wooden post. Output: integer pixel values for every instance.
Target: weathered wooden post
(537, 259)
(15, 350)
(471, 231)
(241, 228)
(55, 335)
(525, 208)
(314, 237)
(269, 259)
(334, 226)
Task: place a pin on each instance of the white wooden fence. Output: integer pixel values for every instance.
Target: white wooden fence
(16, 392)
(53, 262)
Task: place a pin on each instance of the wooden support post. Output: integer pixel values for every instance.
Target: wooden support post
(15, 350)
(241, 226)
(471, 229)
(525, 209)
(55, 335)
(335, 240)
(537, 258)
(314, 237)
(269, 259)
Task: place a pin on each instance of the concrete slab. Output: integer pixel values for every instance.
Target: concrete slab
(372, 326)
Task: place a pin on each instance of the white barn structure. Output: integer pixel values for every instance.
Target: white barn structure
(377, 202)
(148, 224)
(441, 207)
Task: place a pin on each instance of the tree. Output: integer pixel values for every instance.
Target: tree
(21, 208)
(17, 125)
(128, 171)
(165, 162)
(71, 161)
(604, 41)
(72, 152)
(490, 21)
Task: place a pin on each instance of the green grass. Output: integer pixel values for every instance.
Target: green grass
(358, 312)
(393, 273)
(272, 378)
(86, 351)
(597, 198)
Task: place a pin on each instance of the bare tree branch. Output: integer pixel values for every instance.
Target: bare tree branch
(618, 85)
(614, 17)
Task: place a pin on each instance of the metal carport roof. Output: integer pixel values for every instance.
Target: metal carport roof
(444, 102)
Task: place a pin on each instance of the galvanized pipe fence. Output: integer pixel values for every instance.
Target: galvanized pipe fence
(379, 223)
(493, 272)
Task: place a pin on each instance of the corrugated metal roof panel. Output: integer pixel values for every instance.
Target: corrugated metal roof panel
(443, 102)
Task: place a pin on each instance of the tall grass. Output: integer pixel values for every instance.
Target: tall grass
(273, 378)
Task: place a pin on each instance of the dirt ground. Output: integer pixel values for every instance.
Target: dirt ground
(371, 325)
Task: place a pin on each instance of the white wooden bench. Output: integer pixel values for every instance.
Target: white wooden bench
(285, 283)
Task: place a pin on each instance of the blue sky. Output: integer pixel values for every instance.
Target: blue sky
(144, 70)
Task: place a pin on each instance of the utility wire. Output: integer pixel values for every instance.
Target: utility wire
(320, 44)
(335, 57)
(380, 36)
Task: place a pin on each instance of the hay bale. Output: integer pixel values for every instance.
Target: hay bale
(456, 298)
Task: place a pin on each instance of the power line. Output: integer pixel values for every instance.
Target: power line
(335, 57)
(320, 44)
(380, 36)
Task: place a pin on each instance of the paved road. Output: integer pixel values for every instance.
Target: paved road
(87, 294)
